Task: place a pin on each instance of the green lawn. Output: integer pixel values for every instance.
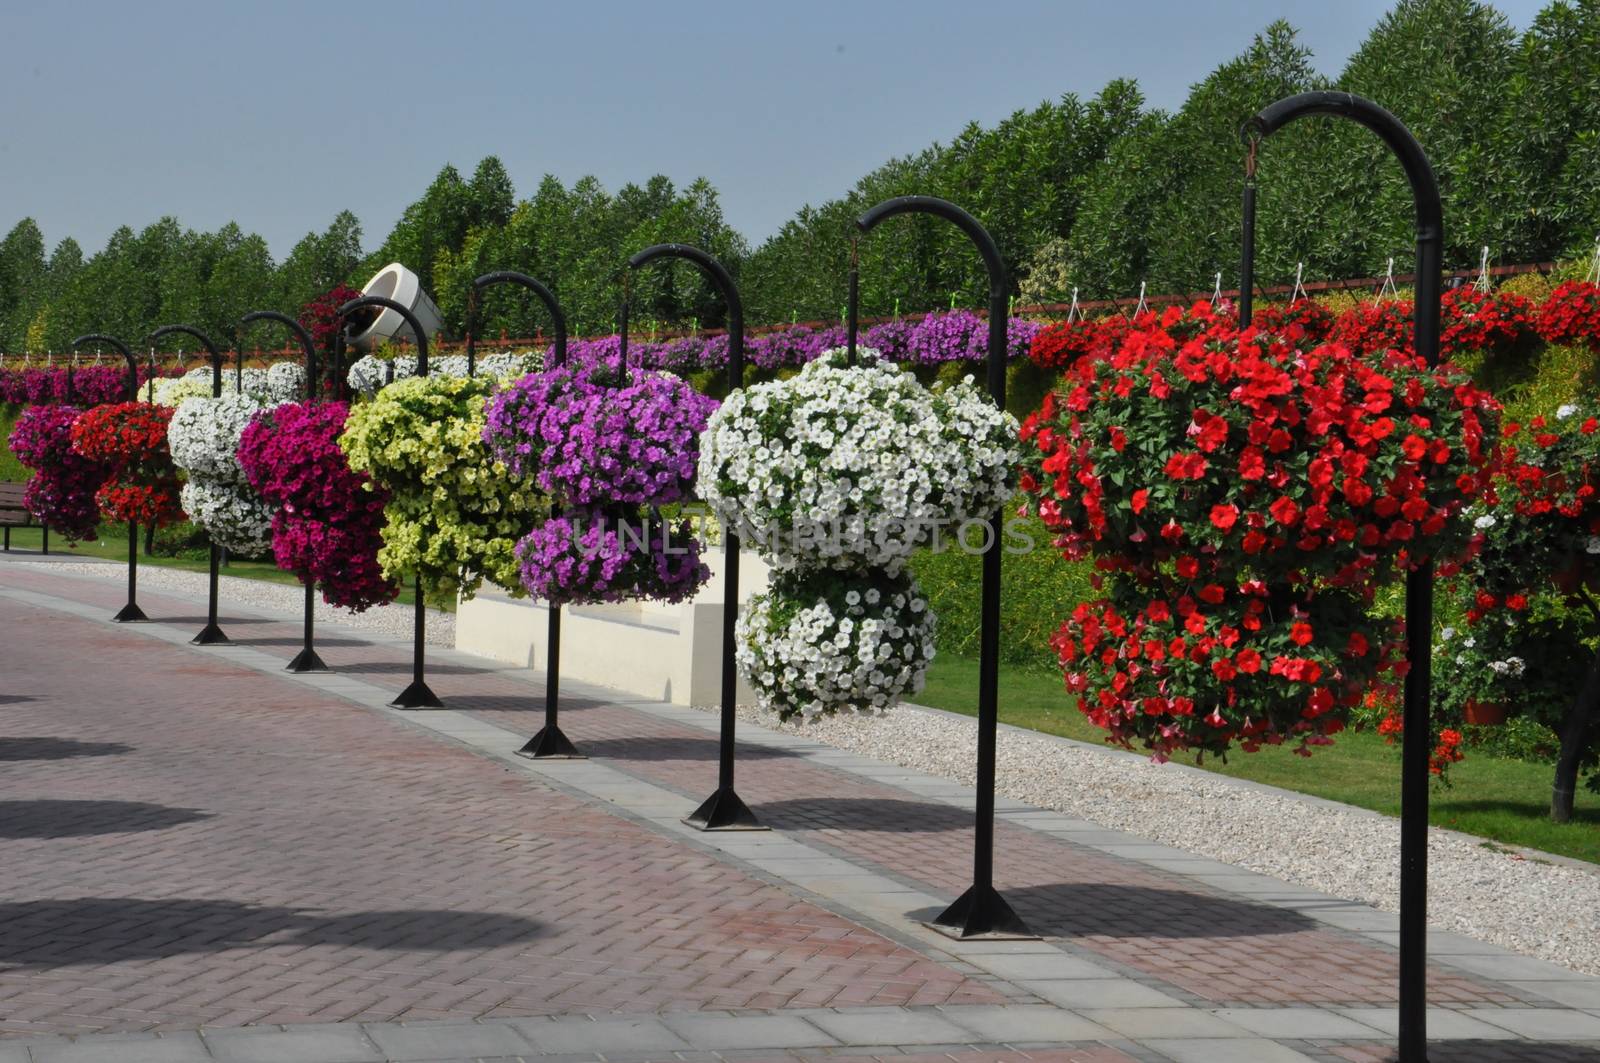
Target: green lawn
(1504, 800)
(115, 548)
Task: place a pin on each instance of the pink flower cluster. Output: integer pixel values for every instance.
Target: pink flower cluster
(61, 493)
(327, 528)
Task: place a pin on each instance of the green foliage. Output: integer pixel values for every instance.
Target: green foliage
(1037, 589)
(11, 470)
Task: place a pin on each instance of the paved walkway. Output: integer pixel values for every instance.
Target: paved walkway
(202, 861)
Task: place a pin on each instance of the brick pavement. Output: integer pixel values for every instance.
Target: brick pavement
(197, 845)
(1217, 948)
(1199, 944)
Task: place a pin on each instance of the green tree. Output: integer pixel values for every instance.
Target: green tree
(319, 261)
(22, 275)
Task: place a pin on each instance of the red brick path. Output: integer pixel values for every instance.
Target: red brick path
(183, 841)
(1218, 947)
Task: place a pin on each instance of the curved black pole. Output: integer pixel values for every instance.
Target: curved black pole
(981, 910)
(211, 634)
(550, 742)
(724, 809)
(417, 695)
(307, 660)
(129, 613)
(1418, 737)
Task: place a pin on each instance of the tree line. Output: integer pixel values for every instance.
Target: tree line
(1098, 195)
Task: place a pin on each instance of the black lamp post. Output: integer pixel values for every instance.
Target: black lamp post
(307, 660)
(417, 695)
(981, 911)
(211, 634)
(1413, 1036)
(129, 613)
(550, 742)
(724, 809)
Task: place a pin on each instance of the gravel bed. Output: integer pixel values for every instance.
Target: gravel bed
(1538, 908)
(393, 620)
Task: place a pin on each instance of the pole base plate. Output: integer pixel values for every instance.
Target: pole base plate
(724, 810)
(981, 913)
(417, 696)
(306, 661)
(130, 614)
(550, 744)
(210, 635)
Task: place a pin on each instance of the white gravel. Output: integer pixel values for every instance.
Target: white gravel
(394, 620)
(1544, 909)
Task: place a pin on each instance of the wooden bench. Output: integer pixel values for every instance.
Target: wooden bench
(13, 514)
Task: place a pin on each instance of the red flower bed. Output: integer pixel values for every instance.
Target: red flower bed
(1304, 322)
(1371, 327)
(1244, 499)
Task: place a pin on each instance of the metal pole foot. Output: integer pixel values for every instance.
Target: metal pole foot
(724, 810)
(130, 614)
(417, 696)
(210, 635)
(982, 913)
(306, 661)
(550, 744)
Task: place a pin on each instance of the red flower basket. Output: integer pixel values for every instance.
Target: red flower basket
(1495, 323)
(1571, 316)
(131, 437)
(1244, 499)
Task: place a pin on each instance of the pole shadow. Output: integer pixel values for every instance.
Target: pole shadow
(886, 815)
(672, 748)
(405, 667)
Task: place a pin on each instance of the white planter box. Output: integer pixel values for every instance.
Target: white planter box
(396, 282)
(672, 653)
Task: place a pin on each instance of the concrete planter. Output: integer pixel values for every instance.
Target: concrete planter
(397, 282)
(669, 652)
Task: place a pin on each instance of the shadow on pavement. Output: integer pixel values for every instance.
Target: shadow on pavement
(17, 749)
(1496, 1052)
(671, 749)
(863, 813)
(520, 703)
(1120, 910)
(76, 819)
(96, 930)
(404, 668)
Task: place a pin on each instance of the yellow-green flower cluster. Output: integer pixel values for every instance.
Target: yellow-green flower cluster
(455, 514)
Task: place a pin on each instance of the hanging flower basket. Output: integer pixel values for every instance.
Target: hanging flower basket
(825, 641)
(1496, 324)
(454, 513)
(1244, 499)
(328, 518)
(1571, 316)
(61, 492)
(131, 437)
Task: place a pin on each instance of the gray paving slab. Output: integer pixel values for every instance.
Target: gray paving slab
(1224, 1050)
(1500, 968)
(179, 1047)
(1297, 1023)
(1144, 1023)
(1573, 992)
(1025, 1024)
(892, 1027)
(1542, 1024)
(1102, 993)
(1442, 1024)
(250, 1045)
(717, 1032)
(1040, 966)
(446, 1040)
(582, 1034)
(14, 1054)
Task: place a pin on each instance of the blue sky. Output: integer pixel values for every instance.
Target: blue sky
(278, 116)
